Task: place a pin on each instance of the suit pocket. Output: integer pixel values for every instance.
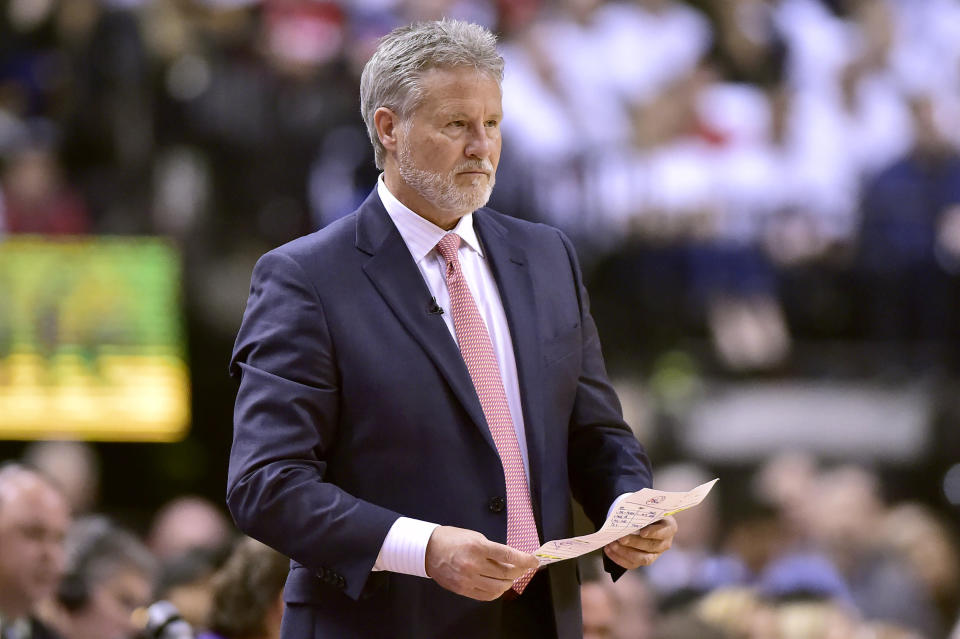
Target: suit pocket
(562, 346)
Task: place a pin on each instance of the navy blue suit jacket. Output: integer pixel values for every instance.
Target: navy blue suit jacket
(355, 407)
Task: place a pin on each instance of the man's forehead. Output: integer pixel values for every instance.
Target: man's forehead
(441, 79)
(461, 93)
(26, 490)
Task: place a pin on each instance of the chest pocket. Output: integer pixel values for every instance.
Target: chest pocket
(562, 346)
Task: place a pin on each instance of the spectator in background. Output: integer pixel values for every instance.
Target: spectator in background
(186, 523)
(73, 466)
(922, 539)
(187, 582)
(36, 198)
(737, 613)
(693, 565)
(636, 606)
(881, 583)
(247, 594)
(191, 537)
(909, 236)
(109, 575)
(34, 518)
(599, 610)
(687, 625)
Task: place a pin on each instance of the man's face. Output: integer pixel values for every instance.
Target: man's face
(33, 523)
(449, 148)
(109, 612)
(598, 612)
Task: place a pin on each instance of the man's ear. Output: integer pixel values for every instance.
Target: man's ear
(388, 125)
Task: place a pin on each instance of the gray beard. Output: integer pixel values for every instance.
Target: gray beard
(441, 190)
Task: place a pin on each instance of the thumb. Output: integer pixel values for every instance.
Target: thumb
(508, 555)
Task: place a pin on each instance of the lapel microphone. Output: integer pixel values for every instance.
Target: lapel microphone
(434, 308)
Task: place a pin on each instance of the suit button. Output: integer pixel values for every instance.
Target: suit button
(497, 504)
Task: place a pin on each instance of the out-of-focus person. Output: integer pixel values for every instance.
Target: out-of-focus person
(636, 605)
(73, 466)
(248, 594)
(736, 612)
(687, 625)
(694, 564)
(185, 523)
(917, 535)
(910, 236)
(187, 582)
(882, 585)
(36, 197)
(109, 575)
(599, 610)
(815, 620)
(34, 518)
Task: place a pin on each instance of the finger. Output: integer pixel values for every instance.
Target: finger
(507, 555)
(638, 542)
(627, 557)
(499, 570)
(666, 528)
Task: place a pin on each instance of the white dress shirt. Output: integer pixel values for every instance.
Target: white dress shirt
(405, 546)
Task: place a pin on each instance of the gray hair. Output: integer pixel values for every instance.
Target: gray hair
(96, 549)
(391, 78)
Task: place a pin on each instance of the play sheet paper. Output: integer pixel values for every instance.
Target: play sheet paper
(634, 511)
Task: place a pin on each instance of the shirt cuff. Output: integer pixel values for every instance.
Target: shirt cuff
(616, 502)
(405, 548)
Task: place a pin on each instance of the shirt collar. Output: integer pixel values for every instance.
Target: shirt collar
(419, 234)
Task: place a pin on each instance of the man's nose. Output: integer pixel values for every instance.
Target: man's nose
(479, 145)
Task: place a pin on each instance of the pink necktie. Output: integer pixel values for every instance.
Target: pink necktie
(477, 351)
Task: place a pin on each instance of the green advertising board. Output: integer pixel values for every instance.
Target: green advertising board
(91, 340)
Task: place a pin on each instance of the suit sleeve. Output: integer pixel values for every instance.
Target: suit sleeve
(285, 424)
(604, 457)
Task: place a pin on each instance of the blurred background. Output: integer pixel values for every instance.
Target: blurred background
(765, 195)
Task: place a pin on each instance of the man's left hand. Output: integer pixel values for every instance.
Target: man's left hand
(644, 547)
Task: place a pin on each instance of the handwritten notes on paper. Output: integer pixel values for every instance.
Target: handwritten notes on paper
(632, 513)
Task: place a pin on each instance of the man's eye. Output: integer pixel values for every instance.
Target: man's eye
(491, 124)
(458, 123)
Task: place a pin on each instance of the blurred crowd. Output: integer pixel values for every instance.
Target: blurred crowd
(809, 551)
(753, 171)
(762, 175)
(69, 572)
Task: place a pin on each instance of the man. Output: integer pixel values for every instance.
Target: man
(247, 594)
(422, 388)
(109, 574)
(33, 524)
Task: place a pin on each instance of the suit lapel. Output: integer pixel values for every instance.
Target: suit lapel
(396, 277)
(508, 261)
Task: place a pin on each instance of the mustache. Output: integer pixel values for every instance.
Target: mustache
(475, 165)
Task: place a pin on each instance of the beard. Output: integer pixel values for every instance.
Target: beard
(442, 190)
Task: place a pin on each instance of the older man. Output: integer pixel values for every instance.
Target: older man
(34, 518)
(422, 389)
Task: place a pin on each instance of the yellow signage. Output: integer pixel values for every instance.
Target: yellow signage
(91, 340)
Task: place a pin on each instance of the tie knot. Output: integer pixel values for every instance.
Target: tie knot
(448, 246)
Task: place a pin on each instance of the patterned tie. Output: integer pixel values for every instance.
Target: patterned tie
(477, 351)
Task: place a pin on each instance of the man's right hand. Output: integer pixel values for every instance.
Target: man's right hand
(467, 563)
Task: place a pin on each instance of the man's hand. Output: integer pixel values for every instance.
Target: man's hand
(643, 548)
(467, 563)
